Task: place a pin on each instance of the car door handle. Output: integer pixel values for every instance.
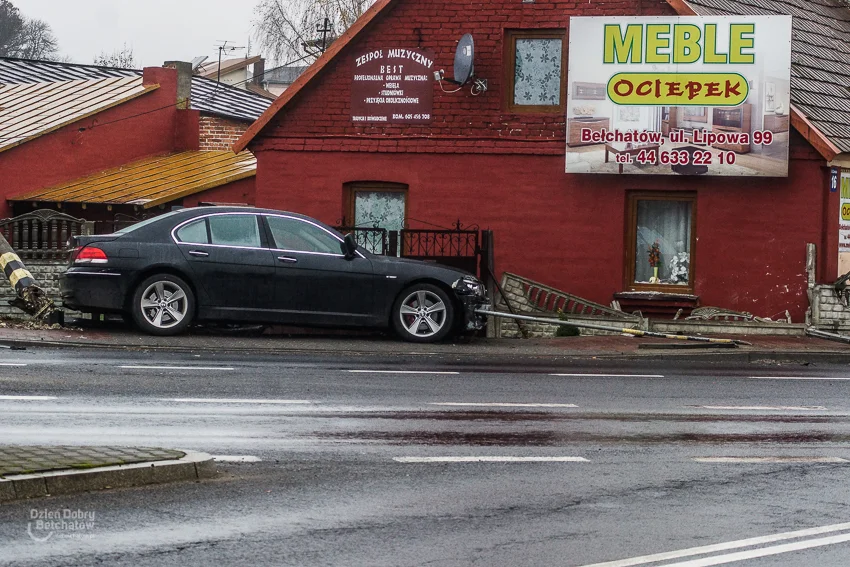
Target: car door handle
(200, 253)
(288, 259)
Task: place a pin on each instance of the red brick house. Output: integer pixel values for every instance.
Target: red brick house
(483, 160)
(110, 144)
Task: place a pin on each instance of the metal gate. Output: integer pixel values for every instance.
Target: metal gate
(458, 247)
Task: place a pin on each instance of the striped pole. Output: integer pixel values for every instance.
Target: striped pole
(30, 299)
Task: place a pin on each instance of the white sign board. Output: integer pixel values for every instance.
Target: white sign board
(679, 96)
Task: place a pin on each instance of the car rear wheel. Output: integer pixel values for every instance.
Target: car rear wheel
(423, 313)
(163, 305)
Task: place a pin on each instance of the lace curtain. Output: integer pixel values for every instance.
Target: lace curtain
(669, 224)
(381, 209)
(537, 72)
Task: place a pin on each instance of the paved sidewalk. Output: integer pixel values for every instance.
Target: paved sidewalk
(23, 459)
(617, 346)
(29, 471)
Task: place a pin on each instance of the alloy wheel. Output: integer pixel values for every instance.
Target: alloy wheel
(422, 313)
(164, 304)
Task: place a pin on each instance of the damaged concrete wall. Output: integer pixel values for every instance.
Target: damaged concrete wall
(828, 312)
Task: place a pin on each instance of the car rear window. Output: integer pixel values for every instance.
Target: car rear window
(146, 222)
(194, 233)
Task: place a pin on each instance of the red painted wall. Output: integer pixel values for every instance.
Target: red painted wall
(505, 171)
(567, 230)
(242, 192)
(125, 133)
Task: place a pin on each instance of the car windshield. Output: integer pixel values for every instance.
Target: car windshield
(146, 222)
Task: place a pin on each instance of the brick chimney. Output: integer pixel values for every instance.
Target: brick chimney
(184, 82)
(259, 70)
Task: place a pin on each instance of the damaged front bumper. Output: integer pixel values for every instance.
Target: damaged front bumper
(473, 296)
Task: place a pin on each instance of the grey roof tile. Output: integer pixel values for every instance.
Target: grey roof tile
(820, 68)
(208, 95)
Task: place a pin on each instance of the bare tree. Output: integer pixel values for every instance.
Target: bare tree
(38, 41)
(123, 58)
(23, 37)
(288, 30)
(11, 29)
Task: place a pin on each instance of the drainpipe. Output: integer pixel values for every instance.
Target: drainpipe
(30, 299)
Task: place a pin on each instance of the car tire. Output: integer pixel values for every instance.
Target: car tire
(423, 313)
(155, 312)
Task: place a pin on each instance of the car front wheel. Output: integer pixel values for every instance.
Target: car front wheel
(423, 313)
(163, 305)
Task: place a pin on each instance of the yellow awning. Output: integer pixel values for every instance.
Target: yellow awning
(152, 181)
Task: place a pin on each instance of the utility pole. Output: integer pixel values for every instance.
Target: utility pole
(324, 29)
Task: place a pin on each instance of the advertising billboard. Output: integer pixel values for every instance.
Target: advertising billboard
(679, 95)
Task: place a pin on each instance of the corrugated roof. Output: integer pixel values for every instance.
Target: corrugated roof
(28, 111)
(820, 72)
(208, 95)
(152, 181)
(220, 99)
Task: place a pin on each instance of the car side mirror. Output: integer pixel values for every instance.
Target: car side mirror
(349, 246)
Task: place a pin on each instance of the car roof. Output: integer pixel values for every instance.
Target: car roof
(190, 212)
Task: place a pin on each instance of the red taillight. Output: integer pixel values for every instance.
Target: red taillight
(91, 255)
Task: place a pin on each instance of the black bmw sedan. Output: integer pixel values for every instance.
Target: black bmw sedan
(241, 264)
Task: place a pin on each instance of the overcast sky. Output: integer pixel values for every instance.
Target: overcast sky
(157, 30)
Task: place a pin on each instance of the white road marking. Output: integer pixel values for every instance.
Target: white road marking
(501, 405)
(763, 552)
(765, 408)
(481, 459)
(398, 372)
(139, 367)
(12, 364)
(28, 398)
(770, 460)
(714, 548)
(233, 401)
(612, 375)
(236, 459)
(799, 377)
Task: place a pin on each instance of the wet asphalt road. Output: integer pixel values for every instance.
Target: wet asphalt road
(335, 437)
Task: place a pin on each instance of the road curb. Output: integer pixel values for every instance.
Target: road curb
(193, 466)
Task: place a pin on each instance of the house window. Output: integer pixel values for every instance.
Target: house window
(660, 250)
(375, 205)
(536, 61)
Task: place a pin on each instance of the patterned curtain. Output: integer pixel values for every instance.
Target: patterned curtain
(537, 74)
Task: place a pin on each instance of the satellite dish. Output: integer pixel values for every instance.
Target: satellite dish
(464, 68)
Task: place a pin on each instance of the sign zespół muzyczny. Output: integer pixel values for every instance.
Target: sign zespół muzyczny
(392, 86)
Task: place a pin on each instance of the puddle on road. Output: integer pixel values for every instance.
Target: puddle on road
(519, 416)
(551, 439)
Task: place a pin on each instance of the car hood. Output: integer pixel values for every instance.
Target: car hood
(405, 267)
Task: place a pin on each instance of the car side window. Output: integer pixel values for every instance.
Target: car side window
(297, 235)
(194, 233)
(235, 230)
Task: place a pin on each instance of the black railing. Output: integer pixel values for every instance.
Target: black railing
(419, 243)
(374, 240)
(41, 234)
